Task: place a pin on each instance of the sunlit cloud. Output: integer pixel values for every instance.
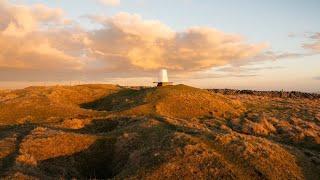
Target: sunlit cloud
(30, 38)
(150, 45)
(109, 2)
(37, 40)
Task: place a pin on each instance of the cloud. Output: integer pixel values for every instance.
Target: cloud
(197, 76)
(315, 36)
(315, 44)
(30, 38)
(236, 69)
(150, 45)
(37, 40)
(110, 2)
(271, 55)
(19, 20)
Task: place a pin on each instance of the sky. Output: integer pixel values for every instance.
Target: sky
(242, 44)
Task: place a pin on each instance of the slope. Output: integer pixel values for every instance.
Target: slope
(174, 101)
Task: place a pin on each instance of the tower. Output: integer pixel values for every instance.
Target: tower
(163, 78)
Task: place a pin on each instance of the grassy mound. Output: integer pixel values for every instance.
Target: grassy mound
(45, 104)
(174, 101)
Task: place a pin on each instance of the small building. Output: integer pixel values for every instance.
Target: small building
(163, 79)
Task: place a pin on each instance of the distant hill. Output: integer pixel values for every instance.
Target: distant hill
(281, 94)
(171, 132)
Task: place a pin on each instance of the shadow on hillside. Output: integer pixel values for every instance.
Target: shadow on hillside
(21, 131)
(100, 126)
(122, 100)
(107, 125)
(94, 162)
(96, 126)
(102, 161)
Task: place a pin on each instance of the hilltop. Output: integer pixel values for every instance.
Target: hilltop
(175, 101)
(108, 131)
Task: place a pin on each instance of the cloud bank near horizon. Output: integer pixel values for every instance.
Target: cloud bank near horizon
(39, 43)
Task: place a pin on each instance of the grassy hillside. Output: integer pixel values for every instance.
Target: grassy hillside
(175, 101)
(172, 132)
(46, 104)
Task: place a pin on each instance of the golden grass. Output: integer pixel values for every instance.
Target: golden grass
(175, 101)
(172, 132)
(73, 123)
(40, 104)
(260, 156)
(43, 143)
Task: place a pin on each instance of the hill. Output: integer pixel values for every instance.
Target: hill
(175, 101)
(172, 132)
(46, 104)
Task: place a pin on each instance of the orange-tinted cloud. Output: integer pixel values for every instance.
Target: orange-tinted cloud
(40, 38)
(150, 45)
(30, 38)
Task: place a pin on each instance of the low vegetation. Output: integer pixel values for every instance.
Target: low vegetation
(172, 132)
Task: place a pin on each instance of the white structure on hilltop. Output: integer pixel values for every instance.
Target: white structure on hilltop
(163, 79)
(163, 76)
